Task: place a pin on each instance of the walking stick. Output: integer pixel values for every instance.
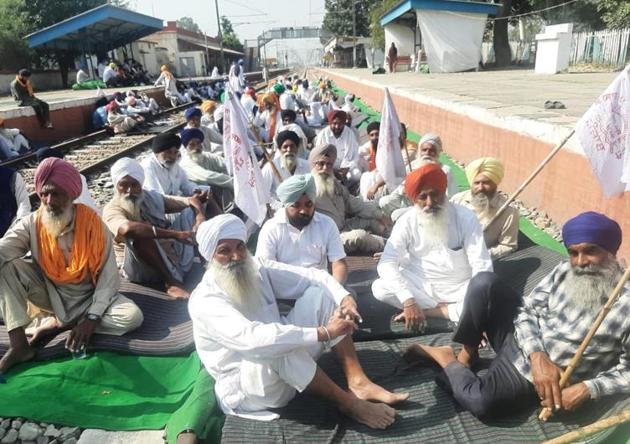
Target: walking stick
(408, 158)
(546, 412)
(262, 144)
(583, 432)
(531, 177)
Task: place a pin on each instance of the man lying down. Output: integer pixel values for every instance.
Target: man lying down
(260, 359)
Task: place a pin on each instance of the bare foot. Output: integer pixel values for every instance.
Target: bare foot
(45, 333)
(368, 391)
(416, 355)
(14, 356)
(468, 356)
(375, 416)
(177, 291)
(442, 355)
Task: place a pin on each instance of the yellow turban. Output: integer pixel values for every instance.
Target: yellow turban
(208, 106)
(490, 167)
(164, 68)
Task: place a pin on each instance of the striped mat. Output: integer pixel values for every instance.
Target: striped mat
(166, 330)
(430, 415)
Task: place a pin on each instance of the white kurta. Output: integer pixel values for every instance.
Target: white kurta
(271, 180)
(170, 181)
(260, 362)
(412, 268)
(287, 101)
(347, 150)
(316, 245)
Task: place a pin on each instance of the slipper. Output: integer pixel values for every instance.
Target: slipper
(558, 105)
(548, 104)
(416, 355)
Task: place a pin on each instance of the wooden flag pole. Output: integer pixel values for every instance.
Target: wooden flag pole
(531, 177)
(583, 432)
(546, 412)
(408, 158)
(262, 144)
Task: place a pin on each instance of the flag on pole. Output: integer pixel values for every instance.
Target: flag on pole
(389, 160)
(250, 194)
(603, 132)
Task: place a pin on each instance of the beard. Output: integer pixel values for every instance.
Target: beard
(132, 204)
(325, 184)
(433, 224)
(481, 202)
(589, 286)
(300, 221)
(289, 161)
(425, 160)
(196, 156)
(240, 281)
(56, 221)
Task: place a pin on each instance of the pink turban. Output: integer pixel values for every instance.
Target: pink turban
(60, 173)
(336, 113)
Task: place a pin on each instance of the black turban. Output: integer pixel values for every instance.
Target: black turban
(287, 135)
(288, 114)
(373, 126)
(164, 142)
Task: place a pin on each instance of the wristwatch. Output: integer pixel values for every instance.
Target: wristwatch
(93, 317)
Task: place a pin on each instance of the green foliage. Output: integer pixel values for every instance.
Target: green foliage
(338, 18)
(189, 24)
(13, 27)
(230, 39)
(376, 30)
(615, 13)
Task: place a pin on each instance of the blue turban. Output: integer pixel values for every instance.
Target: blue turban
(291, 189)
(191, 133)
(592, 228)
(192, 112)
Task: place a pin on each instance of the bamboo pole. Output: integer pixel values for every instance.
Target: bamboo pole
(408, 158)
(583, 432)
(546, 412)
(531, 177)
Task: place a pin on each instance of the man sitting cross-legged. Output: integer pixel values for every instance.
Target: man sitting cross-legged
(433, 252)
(485, 175)
(298, 235)
(260, 359)
(72, 274)
(548, 329)
(149, 248)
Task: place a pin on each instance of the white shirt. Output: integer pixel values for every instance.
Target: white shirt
(271, 180)
(347, 146)
(287, 101)
(314, 246)
(109, 73)
(440, 271)
(224, 337)
(170, 181)
(82, 76)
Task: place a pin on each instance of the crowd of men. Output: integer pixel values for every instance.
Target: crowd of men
(175, 208)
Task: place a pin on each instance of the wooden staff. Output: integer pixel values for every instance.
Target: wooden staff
(546, 412)
(262, 145)
(530, 178)
(408, 158)
(583, 432)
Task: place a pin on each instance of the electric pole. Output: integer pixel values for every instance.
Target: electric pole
(354, 34)
(216, 6)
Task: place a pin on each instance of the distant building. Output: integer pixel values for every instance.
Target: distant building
(284, 47)
(189, 53)
(339, 50)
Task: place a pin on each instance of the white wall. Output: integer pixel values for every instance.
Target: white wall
(198, 60)
(307, 51)
(42, 81)
(402, 36)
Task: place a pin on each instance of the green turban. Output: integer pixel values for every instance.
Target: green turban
(291, 189)
(278, 88)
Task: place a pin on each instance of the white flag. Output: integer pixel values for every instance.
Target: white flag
(603, 132)
(389, 160)
(250, 194)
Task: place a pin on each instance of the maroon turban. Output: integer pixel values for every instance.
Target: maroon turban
(332, 115)
(60, 173)
(429, 175)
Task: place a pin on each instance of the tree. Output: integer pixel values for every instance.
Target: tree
(615, 13)
(502, 53)
(189, 24)
(13, 27)
(338, 18)
(229, 37)
(376, 30)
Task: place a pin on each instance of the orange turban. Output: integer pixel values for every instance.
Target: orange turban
(333, 114)
(427, 176)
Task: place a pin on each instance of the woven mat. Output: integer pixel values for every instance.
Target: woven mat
(166, 330)
(430, 415)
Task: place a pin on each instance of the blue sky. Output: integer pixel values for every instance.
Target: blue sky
(251, 17)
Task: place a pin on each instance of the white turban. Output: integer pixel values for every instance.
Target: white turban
(433, 139)
(218, 114)
(127, 167)
(223, 226)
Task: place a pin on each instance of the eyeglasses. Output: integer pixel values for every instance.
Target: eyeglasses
(323, 164)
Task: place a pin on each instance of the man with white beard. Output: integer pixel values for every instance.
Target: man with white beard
(433, 252)
(347, 162)
(72, 274)
(288, 164)
(548, 328)
(362, 224)
(212, 139)
(202, 168)
(485, 175)
(149, 248)
(260, 359)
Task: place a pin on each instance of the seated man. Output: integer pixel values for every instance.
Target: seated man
(548, 328)
(162, 172)
(213, 140)
(433, 252)
(300, 236)
(338, 134)
(119, 121)
(288, 164)
(201, 167)
(13, 140)
(14, 204)
(289, 117)
(150, 249)
(353, 217)
(260, 359)
(485, 175)
(72, 274)
(372, 185)
(22, 92)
